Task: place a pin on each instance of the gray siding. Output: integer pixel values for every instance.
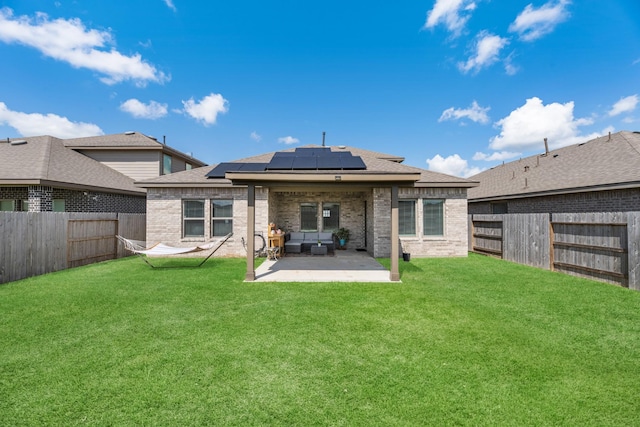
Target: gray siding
(136, 164)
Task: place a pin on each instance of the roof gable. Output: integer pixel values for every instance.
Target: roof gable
(127, 141)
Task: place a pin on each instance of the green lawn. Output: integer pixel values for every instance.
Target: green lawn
(473, 341)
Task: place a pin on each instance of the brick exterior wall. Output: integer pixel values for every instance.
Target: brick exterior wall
(164, 217)
(594, 201)
(286, 211)
(454, 241)
(41, 200)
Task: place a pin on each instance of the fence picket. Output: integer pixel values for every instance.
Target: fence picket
(33, 243)
(600, 245)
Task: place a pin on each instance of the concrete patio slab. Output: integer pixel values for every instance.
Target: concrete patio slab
(344, 266)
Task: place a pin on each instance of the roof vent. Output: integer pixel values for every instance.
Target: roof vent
(18, 142)
(342, 147)
(546, 147)
(129, 132)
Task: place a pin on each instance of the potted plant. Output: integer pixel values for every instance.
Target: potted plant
(343, 235)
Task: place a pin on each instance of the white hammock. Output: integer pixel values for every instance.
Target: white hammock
(160, 249)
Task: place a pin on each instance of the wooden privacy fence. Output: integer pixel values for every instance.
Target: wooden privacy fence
(33, 243)
(602, 246)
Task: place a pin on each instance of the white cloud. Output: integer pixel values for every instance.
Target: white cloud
(34, 124)
(153, 110)
(526, 127)
(454, 14)
(70, 41)
(509, 68)
(533, 23)
(207, 109)
(624, 105)
(170, 5)
(474, 113)
(452, 165)
(496, 156)
(288, 140)
(255, 136)
(486, 51)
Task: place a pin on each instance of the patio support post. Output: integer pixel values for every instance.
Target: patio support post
(251, 228)
(395, 273)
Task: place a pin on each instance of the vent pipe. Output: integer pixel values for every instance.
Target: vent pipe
(546, 147)
(323, 135)
(609, 136)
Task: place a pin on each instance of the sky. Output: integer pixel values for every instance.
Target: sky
(454, 86)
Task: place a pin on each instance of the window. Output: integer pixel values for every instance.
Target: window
(188, 166)
(24, 206)
(7, 205)
(193, 218)
(407, 217)
(58, 205)
(330, 216)
(433, 217)
(222, 217)
(166, 164)
(308, 217)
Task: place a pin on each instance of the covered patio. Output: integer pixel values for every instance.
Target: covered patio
(344, 266)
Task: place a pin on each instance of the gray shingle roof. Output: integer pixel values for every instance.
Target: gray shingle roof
(604, 162)
(127, 140)
(45, 160)
(376, 163)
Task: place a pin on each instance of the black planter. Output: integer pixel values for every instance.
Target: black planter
(406, 256)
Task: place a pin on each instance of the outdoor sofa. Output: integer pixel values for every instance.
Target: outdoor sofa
(297, 241)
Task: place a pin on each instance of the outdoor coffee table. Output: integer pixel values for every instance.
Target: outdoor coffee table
(319, 250)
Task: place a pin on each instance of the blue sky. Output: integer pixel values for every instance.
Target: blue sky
(455, 86)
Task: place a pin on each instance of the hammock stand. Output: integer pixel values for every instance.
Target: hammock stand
(161, 249)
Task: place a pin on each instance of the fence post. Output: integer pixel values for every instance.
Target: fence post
(633, 250)
(552, 239)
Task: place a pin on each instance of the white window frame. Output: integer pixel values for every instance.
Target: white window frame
(225, 219)
(415, 219)
(441, 203)
(192, 219)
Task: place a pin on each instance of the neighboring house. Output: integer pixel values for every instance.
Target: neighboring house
(134, 154)
(601, 175)
(43, 174)
(387, 206)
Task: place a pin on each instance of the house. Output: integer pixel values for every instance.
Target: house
(387, 206)
(134, 154)
(94, 174)
(601, 175)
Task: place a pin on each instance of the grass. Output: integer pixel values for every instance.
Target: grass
(473, 341)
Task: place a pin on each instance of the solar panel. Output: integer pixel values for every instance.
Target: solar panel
(253, 167)
(353, 163)
(281, 161)
(222, 168)
(305, 163)
(316, 151)
(329, 162)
